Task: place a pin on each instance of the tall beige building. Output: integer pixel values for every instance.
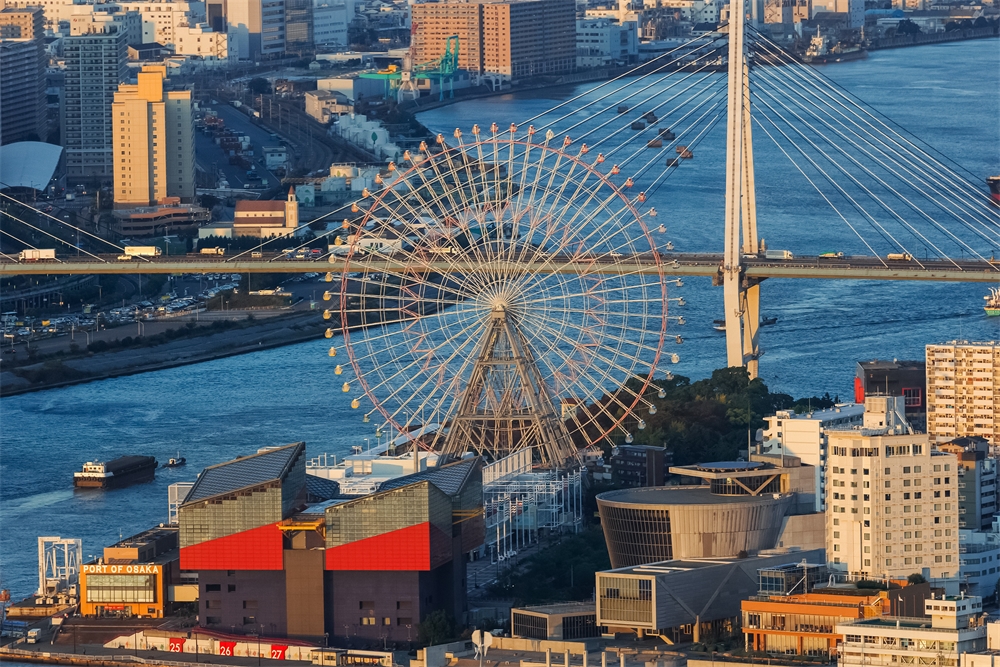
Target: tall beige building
(963, 390)
(154, 141)
(892, 500)
(513, 39)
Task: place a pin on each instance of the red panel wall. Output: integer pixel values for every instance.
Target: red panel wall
(415, 548)
(255, 549)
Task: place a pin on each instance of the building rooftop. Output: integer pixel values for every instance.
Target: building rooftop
(248, 205)
(449, 478)
(244, 472)
(839, 411)
(562, 608)
(895, 364)
(667, 567)
(28, 164)
(680, 495)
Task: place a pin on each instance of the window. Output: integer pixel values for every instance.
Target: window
(213, 588)
(231, 588)
(367, 620)
(404, 621)
(249, 604)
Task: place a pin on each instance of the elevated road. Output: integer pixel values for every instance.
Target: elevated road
(671, 264)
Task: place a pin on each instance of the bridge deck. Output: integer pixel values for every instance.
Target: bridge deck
(673, 264)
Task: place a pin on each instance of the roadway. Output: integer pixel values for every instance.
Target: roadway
(671, 265)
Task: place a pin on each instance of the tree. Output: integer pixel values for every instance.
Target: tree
(437, 628)
(259, 86)
(981, 22)
(907, 27)
(916, 578)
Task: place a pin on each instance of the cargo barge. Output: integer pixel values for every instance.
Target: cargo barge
(116, 473)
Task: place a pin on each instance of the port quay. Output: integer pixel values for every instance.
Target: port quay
(538, 484)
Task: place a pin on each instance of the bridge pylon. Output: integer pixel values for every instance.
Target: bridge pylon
(741, 295)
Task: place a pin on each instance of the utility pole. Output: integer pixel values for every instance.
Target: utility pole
(741, 295)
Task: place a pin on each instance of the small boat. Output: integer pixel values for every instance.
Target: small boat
(651, 118)
(768, 321)
(654, 143)
(175, 462)
(673, 162)
(667, 134)
(638, 125)
(992, 306)
(993, 182)
(622, 108)
(719, 325)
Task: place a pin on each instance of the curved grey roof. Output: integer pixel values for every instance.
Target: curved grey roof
(28, 164)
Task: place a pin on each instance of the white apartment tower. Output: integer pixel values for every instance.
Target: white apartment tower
(154, 141)
(892, 502)
(96, 62)
(963, 390)
(804, 435)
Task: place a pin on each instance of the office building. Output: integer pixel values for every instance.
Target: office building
(957, 627)
(298, 24)
(511, 40)
(153, 142)
(366, 570)
(138, 577)
(639, 465)
(804, 435)
(894, 377)
(566, 621)
(256, 27)
(22, 88)
(963, 390)
(25, 23)
(892, 502)
(680, 600)
(977, 482)
(741, 508)
(96, 63)
(330, 22)
(979, 554)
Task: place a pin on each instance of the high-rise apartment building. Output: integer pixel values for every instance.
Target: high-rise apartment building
(512, 39)
(963, 390)
(892, 501)
(22, 91)
(96, 63)
(26, 23)
(153, 141)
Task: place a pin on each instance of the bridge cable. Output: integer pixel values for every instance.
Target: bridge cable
(79, 249)
(854, 123)
(885, 206)
(62, 222)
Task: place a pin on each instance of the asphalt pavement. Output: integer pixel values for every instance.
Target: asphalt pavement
(212, 158)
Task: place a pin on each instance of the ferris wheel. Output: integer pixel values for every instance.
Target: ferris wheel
(501, 293)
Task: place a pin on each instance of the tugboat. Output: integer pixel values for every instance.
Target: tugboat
(719, 325)
(992, 306)
(994, 183)
(116, 473)
(768, 321)
(175, 462)
(820, 52)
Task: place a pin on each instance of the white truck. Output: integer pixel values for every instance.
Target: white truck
(34, 634)
(37, 254)
(140, 251)
(212, 251)
(778, 254)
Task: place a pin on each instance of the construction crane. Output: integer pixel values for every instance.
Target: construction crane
(442, 70)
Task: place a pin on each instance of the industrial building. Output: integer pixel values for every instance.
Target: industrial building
(963, 390)
(892, 504)
(680, 600)
(361, 570)
(96, 63)
(153, 142)
(741, 508)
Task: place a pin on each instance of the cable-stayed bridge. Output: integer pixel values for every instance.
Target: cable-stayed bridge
(602, 162)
